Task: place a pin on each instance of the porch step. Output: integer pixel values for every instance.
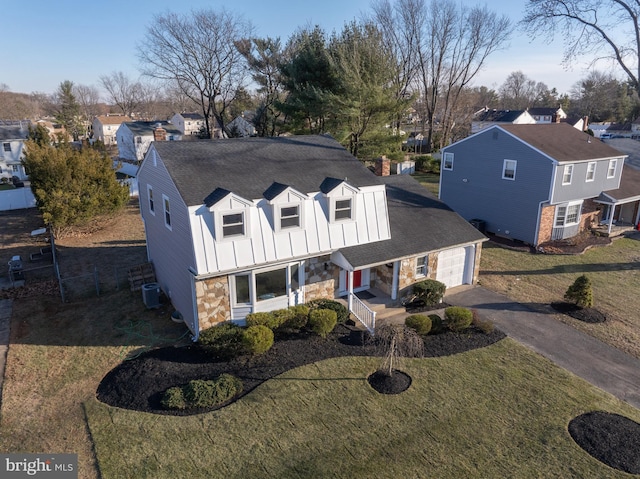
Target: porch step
(383, 311)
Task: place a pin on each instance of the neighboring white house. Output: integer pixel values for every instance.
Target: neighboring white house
(12, 138)
(486, 117)
(242, 225)
(547, 115)
(135, 137)
(105, 127)
(188, 123)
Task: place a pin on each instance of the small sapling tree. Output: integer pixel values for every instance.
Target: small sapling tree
(580, 292)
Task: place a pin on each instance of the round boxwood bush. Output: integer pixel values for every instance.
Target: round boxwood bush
(322, 321)
(257, 339)
(421, 323)
(436, 323)
(297, 319)
(342, 313)
(201, 393)
(268, 319)
(173, 398)
(223, 341)
(458, 318)
(430, 291)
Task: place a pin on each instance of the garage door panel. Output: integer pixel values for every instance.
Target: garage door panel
(452, 265)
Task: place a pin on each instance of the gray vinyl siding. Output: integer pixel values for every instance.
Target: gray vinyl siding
(171, 251)
(509, 208)
(579, 188)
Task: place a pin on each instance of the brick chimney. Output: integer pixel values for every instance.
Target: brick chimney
(159, 133)
(383, 166)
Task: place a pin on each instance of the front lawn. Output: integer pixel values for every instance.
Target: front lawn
(539, 279)
(501, 411)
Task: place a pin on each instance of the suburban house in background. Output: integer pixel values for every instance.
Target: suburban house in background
(240, 127)
(12, 137)
(486, 117)
(547, 115)
(135, 137)
(188, 123)
(538, 183)
(245, 225)
(105, 127)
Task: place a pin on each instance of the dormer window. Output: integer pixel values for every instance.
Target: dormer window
(289, 216)
(233, 225)
(342, 210)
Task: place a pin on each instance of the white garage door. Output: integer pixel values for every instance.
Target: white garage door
(453, 265)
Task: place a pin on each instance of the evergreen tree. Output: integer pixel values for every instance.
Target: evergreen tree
(67, 110)
(72, 186)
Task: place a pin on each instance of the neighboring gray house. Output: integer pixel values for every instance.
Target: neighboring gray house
(242, 225)
(240, 127)
(134, 137)
(534, 183)
(12, 138)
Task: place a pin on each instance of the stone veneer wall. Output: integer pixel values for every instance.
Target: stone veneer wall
(320, 282)
(212, 299)
(382, 278)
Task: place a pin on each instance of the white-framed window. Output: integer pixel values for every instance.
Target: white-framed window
(233, 224)
(15, 168)
(567, 215)
(152, 207)
(421, 266)
(611, 171)
(343, 209)
(447, 161)
(509, 169)
(290, 216)
(266, 284)
(567, 174)
(6, 146)
(591, 170)
(167, 211)
(138, 139)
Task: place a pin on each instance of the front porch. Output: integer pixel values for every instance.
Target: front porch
(614, 229)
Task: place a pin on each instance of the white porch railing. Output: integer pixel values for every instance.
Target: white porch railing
(365, 315)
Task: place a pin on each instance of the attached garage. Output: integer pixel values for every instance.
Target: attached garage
(455, 266)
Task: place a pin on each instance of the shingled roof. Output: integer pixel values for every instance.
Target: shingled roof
(145, 128)
(420, 223)
(249, 166)
(562, 142)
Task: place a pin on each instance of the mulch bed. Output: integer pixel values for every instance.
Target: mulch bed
(576, 245)
(586, 315)
(139, 383)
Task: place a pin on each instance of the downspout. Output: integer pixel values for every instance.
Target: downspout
(196, 335)
(395, 280)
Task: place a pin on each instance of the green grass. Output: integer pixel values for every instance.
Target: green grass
(539, 279)
(501, 411)
(430, 181)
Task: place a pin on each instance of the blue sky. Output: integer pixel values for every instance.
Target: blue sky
(81, 41)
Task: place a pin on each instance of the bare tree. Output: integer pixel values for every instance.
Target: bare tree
(88, 98)
(608, 27)
(198, 52)
(397, 341)
(123, 92)
(518, 91)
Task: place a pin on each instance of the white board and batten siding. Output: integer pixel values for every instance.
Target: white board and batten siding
(266, 245)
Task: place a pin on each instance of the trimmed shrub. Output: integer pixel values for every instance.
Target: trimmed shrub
(580, 292)
(483, 325)
(257, 339)
(437, 325)
(430, 291)
(268, 319)
(173, 398)
(342, 313)
(421, 323)
(223, 341)
(201, 393)
(298, 318)
(322, 321)
(458, 318)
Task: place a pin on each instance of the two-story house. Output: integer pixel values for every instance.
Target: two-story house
(534, 183)
(189, 124)
(12, 138)
(547, 115)
(105, 127)
(134, 137)
(244, 225)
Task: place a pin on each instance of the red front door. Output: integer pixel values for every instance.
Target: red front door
(357, 279)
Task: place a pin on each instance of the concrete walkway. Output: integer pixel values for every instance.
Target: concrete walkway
(598, 363)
